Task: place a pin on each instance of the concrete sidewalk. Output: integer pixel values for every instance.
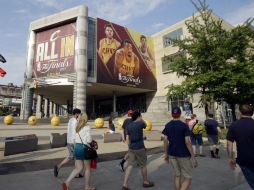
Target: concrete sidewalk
(34, 170)
(43, 133)
(211, 174)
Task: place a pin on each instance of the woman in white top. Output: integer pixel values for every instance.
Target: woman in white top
(82, 138)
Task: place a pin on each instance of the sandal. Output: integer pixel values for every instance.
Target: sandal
(149, 184)
(65, 187)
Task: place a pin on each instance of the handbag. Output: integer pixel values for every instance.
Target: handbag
(94, 144)
(90, 153)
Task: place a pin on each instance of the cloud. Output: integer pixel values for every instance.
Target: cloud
(11, 35)
(119, 11)
(158, 25)
(123, 11)
(51, 3)
(240, 15)
(20, 11)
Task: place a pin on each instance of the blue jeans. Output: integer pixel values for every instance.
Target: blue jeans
(249, 176)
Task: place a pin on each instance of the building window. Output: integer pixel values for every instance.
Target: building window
(90, 66)
(168, 59)
(179, 101)
(176, 34)
(91, 49)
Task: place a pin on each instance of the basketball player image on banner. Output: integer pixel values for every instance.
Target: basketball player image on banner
(108, 45)
(146, 53)
(126, 62)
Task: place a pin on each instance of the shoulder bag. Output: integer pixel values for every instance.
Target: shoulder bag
(89, 151)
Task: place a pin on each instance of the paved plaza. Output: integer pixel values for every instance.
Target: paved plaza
(34, 170)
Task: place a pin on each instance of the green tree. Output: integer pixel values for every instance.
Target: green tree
(219, 62)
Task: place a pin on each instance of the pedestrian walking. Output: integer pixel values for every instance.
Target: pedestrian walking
(212, 129)
(137, 151)
(242, 133)
(178, 150)
(126, 122)
(82, 160)
(70, 142)
(196, 130)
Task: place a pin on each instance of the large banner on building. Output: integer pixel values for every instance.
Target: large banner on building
(55, 51)
(124, 57)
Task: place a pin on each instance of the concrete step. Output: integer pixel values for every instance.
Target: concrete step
(157, 118)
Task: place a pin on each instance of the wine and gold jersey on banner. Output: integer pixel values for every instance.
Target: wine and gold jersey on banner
(108, 49)
(127, 67)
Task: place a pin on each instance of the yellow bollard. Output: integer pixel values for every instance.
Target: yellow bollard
(8, 120)
(32, 120)
(148, 126)
(119, 123)
(55, 121)
(99, 122)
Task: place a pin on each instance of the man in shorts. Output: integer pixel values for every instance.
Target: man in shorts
(126, 122)
(137, 150)
(70, 141)
(212, 130)
(178, 150)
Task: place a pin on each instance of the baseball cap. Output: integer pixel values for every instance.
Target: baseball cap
(130, 112)
(176, 112)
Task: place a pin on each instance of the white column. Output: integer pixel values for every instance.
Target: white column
(81, 60)
(27, 96)
(38, 106)
(54, 109)
(50, 109)
(114, 114)
(46, 107)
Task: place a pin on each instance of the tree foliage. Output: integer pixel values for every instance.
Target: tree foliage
(219, 61)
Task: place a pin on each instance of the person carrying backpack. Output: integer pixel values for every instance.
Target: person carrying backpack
(196, 129)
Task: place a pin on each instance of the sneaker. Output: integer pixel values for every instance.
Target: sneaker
(55, 171)
(201, 155)
(122, 166)
(65, 187)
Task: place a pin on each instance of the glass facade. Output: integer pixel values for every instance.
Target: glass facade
(91, 48)
(179, 101)
(168, 59)
(176, 34)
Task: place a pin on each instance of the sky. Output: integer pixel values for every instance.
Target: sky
(145, 16)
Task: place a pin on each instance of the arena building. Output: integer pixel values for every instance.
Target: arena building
(102, 68)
